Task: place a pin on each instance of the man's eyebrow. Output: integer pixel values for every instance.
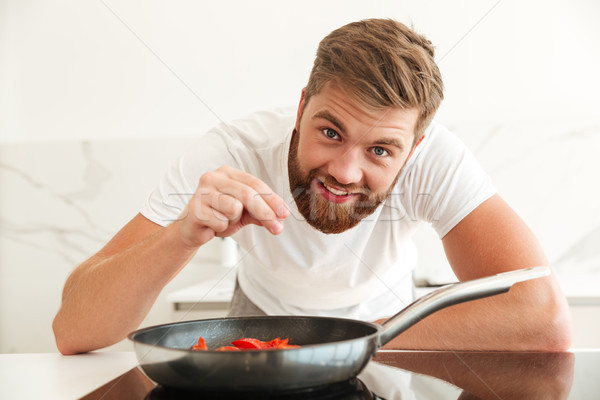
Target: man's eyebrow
(390, 142)
(331, 118)
(342, 128)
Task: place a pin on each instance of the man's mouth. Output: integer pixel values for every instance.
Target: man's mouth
(332, 193)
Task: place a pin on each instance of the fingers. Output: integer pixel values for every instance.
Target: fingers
(256, 196)
(225, 195)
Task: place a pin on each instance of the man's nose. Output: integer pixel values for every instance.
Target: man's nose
(346, 167)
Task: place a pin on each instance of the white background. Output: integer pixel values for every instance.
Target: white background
(136, 80)
(121, 69)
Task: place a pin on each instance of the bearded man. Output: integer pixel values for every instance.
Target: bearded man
(323, 201)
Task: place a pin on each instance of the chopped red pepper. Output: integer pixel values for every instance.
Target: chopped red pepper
(249, 344)
(278, 343)
(228, 348)
(201, 344)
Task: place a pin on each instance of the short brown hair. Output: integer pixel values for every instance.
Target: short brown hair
(380, 63)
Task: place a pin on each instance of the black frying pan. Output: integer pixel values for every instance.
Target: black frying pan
(333, 349)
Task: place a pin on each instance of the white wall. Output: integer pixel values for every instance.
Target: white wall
(97, 97)
(115, 69)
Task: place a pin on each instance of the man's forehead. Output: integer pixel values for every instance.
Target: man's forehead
(334, 98)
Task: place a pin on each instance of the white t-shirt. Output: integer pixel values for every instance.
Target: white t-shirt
(363, 273)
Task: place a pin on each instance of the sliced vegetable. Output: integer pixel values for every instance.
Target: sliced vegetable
(249, 344)
(228, 348)
(201, 344)
(278, 343)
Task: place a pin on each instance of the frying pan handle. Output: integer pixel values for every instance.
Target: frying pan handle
(454, 294)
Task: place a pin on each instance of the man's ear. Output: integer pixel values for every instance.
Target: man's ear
(300, 107)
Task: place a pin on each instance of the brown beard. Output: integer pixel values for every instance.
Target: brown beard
(324, 215)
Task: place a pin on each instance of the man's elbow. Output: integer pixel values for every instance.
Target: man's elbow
(63, 344)
(561, 338)
(64, 338)
(65, 348)
(555, 329)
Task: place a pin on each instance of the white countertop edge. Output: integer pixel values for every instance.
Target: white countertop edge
(579, 290)
(54, 376)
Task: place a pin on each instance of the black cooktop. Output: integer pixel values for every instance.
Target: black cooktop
(418, 375)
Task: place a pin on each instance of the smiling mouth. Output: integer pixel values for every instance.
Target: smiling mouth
(335, 191)
(334, 194)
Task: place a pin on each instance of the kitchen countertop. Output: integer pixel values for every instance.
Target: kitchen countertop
(392, 375)
(54, 376)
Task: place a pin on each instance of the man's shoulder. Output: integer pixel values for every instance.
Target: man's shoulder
(437, 132)
(439, 152)
(261, 127)
(439, 141)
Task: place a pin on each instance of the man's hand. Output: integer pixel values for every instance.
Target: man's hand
(109, 295)
(227, 200)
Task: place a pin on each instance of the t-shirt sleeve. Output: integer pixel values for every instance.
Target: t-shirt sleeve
(445, 182)
(177, 186)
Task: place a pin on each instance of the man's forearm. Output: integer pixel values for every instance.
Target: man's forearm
(108, 296)
(532, 316)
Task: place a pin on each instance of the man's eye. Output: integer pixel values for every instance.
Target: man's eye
(379, 151)
(330, 133)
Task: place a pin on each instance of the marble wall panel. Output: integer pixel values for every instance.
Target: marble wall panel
(548, 172)
(61, 201)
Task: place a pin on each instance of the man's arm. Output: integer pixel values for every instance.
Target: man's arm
(109, 295)
(533, 315)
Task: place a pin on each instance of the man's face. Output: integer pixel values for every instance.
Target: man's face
(344, 160)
